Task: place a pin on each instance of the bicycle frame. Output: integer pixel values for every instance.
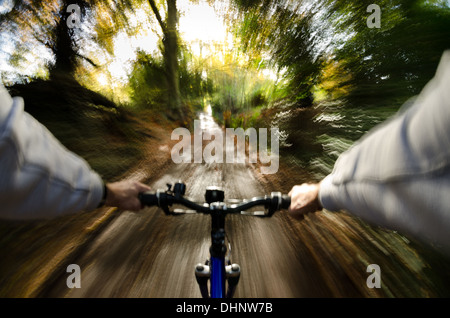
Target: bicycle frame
(217, 277)
(218, 270)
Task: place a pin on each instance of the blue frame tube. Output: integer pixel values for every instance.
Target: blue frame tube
(217, 277)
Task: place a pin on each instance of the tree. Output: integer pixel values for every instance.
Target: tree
(44, 24)
(170, 53)
(284, 31)
(63, 43)
(34, 25)
(394, 62)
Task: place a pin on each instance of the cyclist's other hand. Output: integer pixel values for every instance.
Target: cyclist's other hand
(124, 194)
(304, 199)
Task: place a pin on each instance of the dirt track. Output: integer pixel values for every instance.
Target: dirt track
(148, 254)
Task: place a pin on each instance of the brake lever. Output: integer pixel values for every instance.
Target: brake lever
(162, 200)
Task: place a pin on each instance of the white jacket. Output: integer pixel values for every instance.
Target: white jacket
(398, 175)
(39, 178)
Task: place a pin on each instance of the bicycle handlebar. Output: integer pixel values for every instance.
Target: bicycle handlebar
(214, 197)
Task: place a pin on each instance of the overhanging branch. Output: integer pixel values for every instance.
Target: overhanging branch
(158, 16)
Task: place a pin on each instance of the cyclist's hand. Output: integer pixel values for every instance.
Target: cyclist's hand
(304, 199)
(124, 194)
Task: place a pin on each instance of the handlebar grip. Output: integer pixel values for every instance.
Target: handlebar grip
(285, 201)
(148, 198)
(278, 202)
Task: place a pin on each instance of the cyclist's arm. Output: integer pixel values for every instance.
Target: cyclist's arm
(398, 175)
(40, 178)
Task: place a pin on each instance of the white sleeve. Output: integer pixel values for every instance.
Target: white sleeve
(398, 175)
(40, 178)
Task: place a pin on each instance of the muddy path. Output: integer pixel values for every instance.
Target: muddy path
(148, 254)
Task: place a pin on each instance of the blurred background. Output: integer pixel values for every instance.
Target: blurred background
(313, 68)
(111, 79)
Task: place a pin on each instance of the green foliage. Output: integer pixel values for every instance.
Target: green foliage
(237, 94)
(148, 83)
(303, 38)
(283, 30)
(355, 76)
(395, 61)
(39, 34)
(194, 85)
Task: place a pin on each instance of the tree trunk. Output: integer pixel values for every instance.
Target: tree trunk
(171, 58)
(170, 43)
(63, 48)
